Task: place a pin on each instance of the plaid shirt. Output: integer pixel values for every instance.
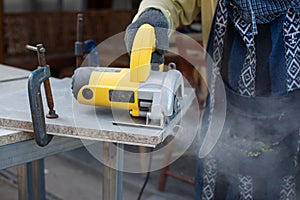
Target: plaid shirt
(263, 11)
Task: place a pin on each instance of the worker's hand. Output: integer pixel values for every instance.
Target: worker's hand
(156, 19)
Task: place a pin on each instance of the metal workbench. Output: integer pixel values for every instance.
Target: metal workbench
(18, 148)
(75, 122)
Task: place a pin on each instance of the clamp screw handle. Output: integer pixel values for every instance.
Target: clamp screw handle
(40, 49)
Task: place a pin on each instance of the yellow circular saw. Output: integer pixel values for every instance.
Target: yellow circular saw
(154, 95)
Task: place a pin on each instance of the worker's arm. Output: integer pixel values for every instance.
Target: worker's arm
(183, 12)
(164, 16)
(177, 12)
(207, 13)
(172, 13)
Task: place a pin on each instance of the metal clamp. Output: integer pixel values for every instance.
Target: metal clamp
(82, 48)
(36, 78)
(79, 45)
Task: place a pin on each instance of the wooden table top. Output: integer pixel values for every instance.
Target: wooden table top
(77, 120)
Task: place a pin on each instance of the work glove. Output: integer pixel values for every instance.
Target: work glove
(156, 19)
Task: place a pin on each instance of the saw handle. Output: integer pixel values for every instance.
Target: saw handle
(141, 53)
(156, 19)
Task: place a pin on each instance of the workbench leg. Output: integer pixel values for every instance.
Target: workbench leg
(112, 178)
(31, 181)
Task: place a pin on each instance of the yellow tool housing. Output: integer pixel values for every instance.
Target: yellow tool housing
(116, 87)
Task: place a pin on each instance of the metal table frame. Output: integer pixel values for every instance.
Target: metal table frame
(32, 184)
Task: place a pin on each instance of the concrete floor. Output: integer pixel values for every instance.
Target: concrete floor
(77, 175)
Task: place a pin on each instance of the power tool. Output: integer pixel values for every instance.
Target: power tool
(154, 95)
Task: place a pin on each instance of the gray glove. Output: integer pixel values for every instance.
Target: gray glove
(156, 19)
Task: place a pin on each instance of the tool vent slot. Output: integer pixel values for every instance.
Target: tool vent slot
(123, 96)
